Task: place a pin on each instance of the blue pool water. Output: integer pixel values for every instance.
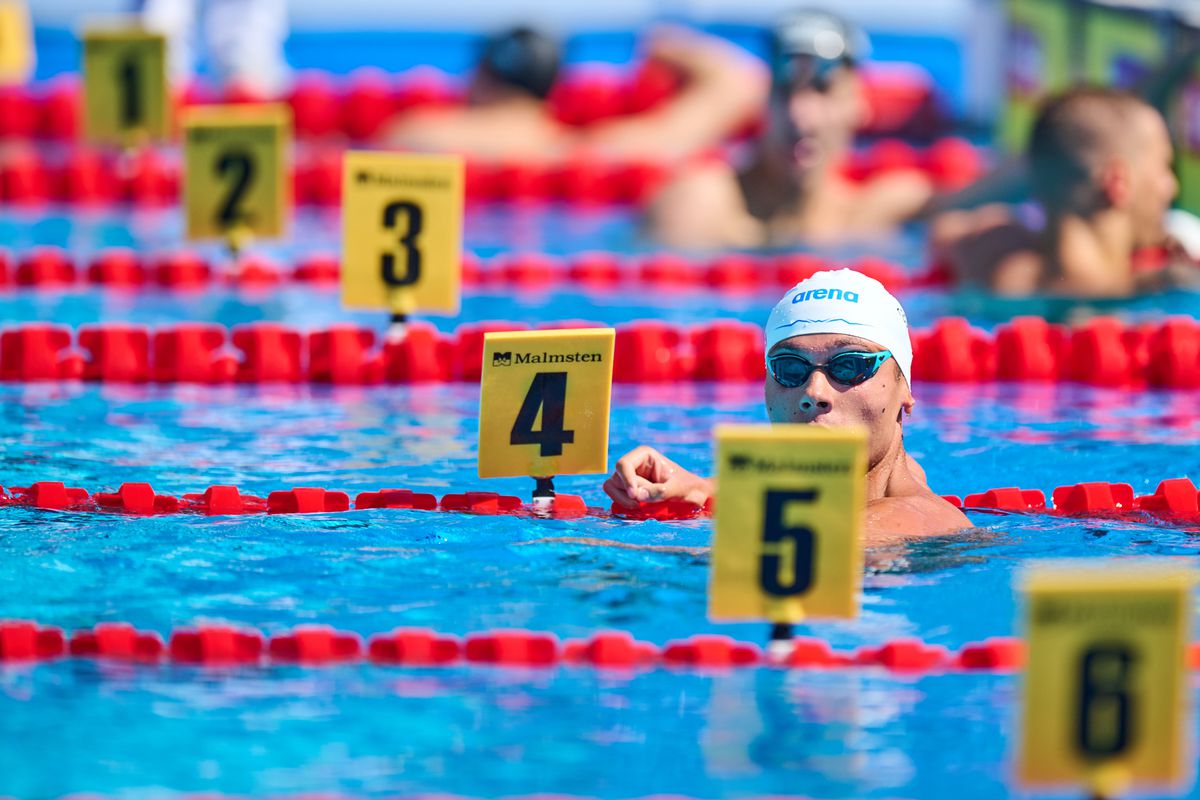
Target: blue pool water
(152, 731)
(488, 732)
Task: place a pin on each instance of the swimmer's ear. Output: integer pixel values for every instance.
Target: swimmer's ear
(906, 407)
(1114, 180)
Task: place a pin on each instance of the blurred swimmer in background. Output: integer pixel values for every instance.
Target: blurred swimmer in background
(1099, 164)
(792, 188)
(507, 116)
(242, 40)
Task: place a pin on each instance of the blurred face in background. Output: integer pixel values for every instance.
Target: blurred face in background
(1152, 182)
(814, 114)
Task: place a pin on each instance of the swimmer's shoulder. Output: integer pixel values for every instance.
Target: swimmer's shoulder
(920, 513)
(702, 206)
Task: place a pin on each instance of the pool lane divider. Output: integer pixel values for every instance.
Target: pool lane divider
(358, 106)
(216, 645)
(124, 270)
(1174, 500)
(1101, 352)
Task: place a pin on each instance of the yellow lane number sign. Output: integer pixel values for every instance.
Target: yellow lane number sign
(237, 181)
(544, 404)
(402, 232)
(16, 42)
(126, 99)
(789, 511)
(1105, 688)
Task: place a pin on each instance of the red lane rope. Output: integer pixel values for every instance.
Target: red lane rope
(121, 269)
(358, 106)
(151, 179)
(1175, 500)
(1102, 352)
(314, 645)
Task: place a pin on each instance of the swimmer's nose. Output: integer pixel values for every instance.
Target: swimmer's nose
(816, 395)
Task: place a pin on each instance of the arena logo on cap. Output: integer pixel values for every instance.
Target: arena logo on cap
(825, 294)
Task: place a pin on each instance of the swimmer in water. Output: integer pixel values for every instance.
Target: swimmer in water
(838, 354)
(792, 188)
(1099, 163)
(506, 114)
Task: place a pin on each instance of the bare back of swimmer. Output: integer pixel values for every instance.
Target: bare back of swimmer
(838, 354)
(506, 116)
(1100, 165)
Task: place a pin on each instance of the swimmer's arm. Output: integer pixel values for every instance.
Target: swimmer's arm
(724, 86)
(893, 199)
(644, 475)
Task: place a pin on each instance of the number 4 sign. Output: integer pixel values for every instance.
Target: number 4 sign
(544, 404)
(1106, 683)
(789, 509)
(401, 232)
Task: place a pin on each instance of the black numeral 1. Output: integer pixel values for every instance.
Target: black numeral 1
(775, 532)
(408, 242)
(129, 77)
(548, 392)
(1105, 721)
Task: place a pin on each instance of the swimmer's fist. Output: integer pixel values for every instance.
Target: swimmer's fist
(644, 475)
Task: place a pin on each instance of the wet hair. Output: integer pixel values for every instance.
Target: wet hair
(1073, 134)
(522, 58)
(808, 44)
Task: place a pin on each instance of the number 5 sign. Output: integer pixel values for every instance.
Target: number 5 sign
(401, 232)
(544, 404)
(788, 522)
(1105, 687)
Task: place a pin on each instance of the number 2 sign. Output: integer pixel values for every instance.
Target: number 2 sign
(237, 181)
(789, 509)
(402, 232)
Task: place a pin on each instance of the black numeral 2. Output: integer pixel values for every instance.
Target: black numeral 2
(241, 166)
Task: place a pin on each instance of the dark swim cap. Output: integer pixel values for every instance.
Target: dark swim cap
(807, 44)
(522, 58)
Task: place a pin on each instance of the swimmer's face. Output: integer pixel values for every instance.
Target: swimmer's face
(1152, 182)
(876, 404)
(814, 123)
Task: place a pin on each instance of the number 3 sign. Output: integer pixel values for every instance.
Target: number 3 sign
(402, 232)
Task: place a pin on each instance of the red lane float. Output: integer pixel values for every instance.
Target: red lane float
(51, 268)
(1163, 355)
(220, 645)
(150, 179)
(900, 99)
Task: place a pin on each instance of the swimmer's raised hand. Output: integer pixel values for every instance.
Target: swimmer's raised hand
(644, 475)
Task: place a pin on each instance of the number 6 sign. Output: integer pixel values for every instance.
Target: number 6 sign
(1106, 683)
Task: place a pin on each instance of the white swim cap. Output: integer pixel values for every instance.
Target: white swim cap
(847, 302)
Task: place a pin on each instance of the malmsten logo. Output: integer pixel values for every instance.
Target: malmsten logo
(741, 462)
(825, 294)
(507, 358)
